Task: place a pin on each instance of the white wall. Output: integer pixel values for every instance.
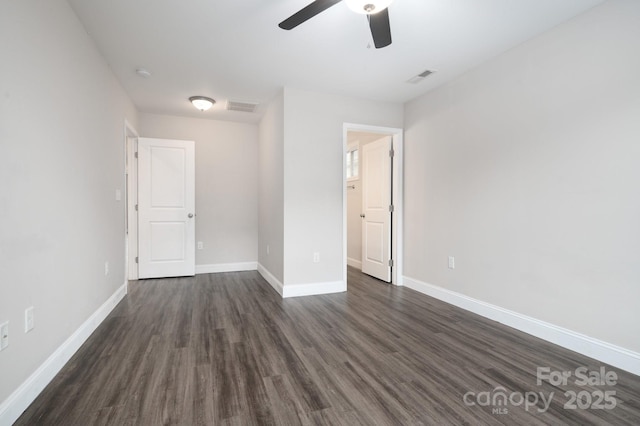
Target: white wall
(226, 184)
(313, 179)
(271, 190)
(62, 119)
(526, 170)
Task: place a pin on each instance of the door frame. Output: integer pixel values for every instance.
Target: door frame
(131, 197)
(397, 223)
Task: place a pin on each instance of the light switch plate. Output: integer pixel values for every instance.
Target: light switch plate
(28, 319)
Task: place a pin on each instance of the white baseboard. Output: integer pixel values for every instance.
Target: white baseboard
(272, 280)
(226, 267)
(354, 262)
(297, 290)
(21, 398)
(602, 351)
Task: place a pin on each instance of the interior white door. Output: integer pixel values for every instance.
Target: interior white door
(166, 208)
(376, 208)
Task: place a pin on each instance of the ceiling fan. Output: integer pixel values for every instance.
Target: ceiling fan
(376, 11)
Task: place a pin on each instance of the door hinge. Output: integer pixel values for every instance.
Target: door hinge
(391, 208)
(136, 207)
(391, 262)
(391, 153)
(136, 154)
(136, 259)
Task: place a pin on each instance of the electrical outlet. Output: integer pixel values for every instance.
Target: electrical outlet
(28, 319)
(4, 335)
(118, 195)
(200, 245)
(452, 262)
(316, 257)
(106, 268)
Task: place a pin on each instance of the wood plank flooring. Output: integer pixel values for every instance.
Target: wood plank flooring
(224, 349)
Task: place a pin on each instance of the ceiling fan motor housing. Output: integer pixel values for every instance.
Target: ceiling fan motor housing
(368, 7)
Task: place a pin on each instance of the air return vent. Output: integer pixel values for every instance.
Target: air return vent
(241, 106)
(418, 78)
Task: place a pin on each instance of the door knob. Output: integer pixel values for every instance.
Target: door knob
(362, 215)
(190, 215)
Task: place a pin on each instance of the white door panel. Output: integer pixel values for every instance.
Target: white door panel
(376, 199)
(375, 242)
(167, 177)
(170, 241)
(166, 207)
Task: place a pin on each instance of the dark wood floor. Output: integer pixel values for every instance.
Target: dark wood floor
(225, 349)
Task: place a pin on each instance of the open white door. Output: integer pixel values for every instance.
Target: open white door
(376, 209)
(166, 208)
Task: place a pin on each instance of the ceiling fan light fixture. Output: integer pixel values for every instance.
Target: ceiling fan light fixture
(202, 102)
(368, 7)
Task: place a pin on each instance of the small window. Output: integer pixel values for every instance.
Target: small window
(352, 163)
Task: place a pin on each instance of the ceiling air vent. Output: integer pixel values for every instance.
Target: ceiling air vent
(241, 106)
(418, 78)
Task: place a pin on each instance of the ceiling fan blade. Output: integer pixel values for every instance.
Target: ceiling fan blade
(380, 28)
(307, 13)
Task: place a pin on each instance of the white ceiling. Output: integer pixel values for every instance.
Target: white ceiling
(234, 49)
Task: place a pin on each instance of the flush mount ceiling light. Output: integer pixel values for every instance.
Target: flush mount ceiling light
(368, 7)
(202, 102)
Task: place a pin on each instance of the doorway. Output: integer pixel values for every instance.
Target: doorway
(160, 224)
(356, 222)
